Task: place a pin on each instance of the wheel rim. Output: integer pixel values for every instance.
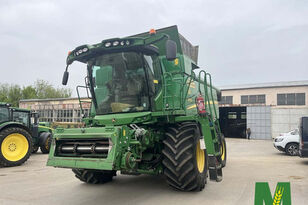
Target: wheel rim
(14, 147)
(47, 144)
(200, 158)
(293, 150)
(222, 151)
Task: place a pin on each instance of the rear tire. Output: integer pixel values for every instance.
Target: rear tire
(15, 146)
(185, 163)
(45, 142)
(94, 176)
(292, 149)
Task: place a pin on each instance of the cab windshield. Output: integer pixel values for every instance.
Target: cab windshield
(120, 82)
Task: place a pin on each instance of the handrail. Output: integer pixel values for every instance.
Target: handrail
(212, 93)
(80, 101)
(216, 116)
(205, 89)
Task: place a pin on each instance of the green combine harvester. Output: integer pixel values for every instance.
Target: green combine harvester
(20, 135)
(150, 113)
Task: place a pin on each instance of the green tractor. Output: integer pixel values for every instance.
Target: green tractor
(150, 113)
(19, 136)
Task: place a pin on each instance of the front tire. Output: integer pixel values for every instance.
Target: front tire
(184, 161)
(223, 151)
(292, 149)
(94, 176)
(15, 145)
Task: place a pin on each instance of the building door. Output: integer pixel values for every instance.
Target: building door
(259, 122)
(233, 121)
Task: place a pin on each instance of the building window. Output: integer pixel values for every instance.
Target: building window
(291, 99)
(243, 115)
(244, 99)
(226, 100)
(232, 115)
(253, 99)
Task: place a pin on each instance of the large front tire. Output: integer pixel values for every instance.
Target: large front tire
(15, 145)
(184, 161)
(94, 176)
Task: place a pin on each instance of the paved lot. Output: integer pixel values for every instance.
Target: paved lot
(248, 162)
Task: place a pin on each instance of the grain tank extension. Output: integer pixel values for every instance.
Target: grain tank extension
(151, 113)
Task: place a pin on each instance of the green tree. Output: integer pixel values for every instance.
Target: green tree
(14, 95)
(39, 90)
(4, 90)
(29, 92)
(45, 90)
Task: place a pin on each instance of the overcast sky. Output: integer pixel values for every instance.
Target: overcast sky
(240, 41)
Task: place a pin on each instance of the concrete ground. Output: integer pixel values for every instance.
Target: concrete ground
(248, 162)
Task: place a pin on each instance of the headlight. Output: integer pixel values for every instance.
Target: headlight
(278, 139)
(122, 43)
(108, 44)
(115, 43)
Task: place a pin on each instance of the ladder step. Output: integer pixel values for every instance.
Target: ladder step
(215, 169)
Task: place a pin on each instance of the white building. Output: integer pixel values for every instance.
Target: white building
(270, 108)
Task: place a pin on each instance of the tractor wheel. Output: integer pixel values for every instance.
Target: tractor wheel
(35, 149)
(16, 146)
(45, 142)
(94, 176)
(223, 151)
(184, 161)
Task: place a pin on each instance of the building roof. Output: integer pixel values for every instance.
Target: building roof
(265, 85)
(51, 99)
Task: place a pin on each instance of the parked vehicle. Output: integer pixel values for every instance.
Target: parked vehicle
(150, 113)
(288, 142)
(20, 135)
(303, 132)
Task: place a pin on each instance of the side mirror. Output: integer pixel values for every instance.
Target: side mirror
(65, 77)
(170, 50)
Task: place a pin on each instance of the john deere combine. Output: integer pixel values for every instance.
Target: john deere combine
(150, 114)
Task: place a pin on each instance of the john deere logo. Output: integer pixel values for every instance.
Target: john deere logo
(282, 195)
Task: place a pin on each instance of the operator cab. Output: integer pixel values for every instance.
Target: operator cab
(124, 75)
(123, 82)
(22, 116)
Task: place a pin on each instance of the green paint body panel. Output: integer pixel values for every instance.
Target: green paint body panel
(108, 163)
(173, 103)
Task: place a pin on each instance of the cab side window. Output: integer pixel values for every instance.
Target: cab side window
(156, 74)
(4, 114)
